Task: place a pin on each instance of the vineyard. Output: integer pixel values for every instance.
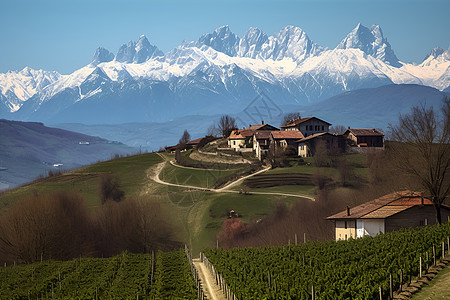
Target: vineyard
(354, 269)
(125, 276)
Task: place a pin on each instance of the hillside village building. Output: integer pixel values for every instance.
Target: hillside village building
(390, 212)
(365, 137)
(303, 134)
(242, 139)
(308, 126)
(306, 147)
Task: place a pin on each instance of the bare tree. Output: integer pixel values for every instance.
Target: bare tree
(213, 131)
(226, 125)
(321, 157)
(338, 129)
(424, 150)
(290, 117)
(185, 138)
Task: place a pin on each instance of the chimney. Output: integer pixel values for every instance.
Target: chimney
(262, 122)
(348, 211)
(421, 199)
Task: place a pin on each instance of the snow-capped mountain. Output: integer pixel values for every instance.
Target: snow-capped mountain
(219, 72)
(137, 52)
(371, 42)
(18, 86)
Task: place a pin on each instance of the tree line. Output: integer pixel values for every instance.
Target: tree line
(60, 226)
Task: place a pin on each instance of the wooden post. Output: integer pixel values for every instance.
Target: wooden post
(381, 295)
(312, 292)
(217, 244)
(427, 261)
(434, 255)
(391, 288)
(443, 250)
(295, 239)
(420, 267)
(304, 237)
(153, 267)
(268, 277)
(401, 279)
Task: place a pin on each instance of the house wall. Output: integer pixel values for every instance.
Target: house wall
(414, 217)
(369, 227)
(303, 150)
(236, 144)
(371, 141)
(345, 229)
(313, 126)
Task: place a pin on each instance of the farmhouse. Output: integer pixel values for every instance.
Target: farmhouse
(306, 147)
(365, 137)
(242, 139)
(283, 139)
(308, 126)
(261, 142)
(390, 212)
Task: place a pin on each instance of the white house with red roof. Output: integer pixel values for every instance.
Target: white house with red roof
(390, 212)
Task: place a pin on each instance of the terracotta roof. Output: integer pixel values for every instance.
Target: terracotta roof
(313, 136)
(301, 120)
(259, 126)
(240, 134)
(291, 134)
(383, 207)
(263, 134)
(364, 132)
(195, 142)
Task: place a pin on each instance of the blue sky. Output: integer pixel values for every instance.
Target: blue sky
(62, 35)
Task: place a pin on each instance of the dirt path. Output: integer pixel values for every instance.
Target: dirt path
(226, 189)
(210, 287)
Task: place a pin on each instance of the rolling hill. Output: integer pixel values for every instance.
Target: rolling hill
(29, 149)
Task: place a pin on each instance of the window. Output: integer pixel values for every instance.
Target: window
(310, 127)
(345, 228)
(345, 236)
(323, 128)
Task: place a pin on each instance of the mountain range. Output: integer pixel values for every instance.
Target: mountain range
(218, 73)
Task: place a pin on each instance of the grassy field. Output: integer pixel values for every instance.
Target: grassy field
(131, 172)
(199, 178)
(439, 287)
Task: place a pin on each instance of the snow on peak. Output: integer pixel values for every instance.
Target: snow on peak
(102, 55)
(137, 52)
(222, 40)
(290, 42)
(371, 42)
(250, 44)
(438, 52)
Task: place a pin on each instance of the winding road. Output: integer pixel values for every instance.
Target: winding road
(224, 189)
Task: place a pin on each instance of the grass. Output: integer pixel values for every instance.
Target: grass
(439, 287)
(198, 178)
(211, 213)
(85, 181)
